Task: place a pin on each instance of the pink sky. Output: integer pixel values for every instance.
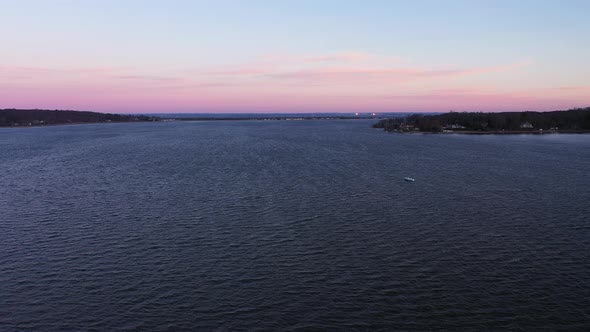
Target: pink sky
(341, 82)
(294, 56)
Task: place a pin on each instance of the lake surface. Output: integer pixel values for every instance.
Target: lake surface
(291, 225)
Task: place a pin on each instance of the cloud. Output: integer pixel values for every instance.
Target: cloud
(239, 70)
(572, 88)
(334, 81)
(147, 78)
(338, 57)
(38, 76)
(379, 75)
(47, 70)
(13, 77)
(276, 63)
(338, 69)
(335, 71)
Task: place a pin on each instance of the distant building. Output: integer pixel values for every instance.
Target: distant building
(526, 125)
(407, 127)
(455, 126)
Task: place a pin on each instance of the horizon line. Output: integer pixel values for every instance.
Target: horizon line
(365, 112)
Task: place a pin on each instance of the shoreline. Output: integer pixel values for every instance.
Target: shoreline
(547, 132)
(72, 123)
(168, 120)
(573, 121)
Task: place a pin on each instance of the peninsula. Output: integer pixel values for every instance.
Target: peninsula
(38, 117)
(571, 121)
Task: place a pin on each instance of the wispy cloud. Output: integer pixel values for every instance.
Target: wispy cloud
(338, 69)
(253, 69)
(272, 64)
(339, 57)
(573, 88)
(147, 78)
(337, 81)
(350, 75)
(50, 70)
(328, 70)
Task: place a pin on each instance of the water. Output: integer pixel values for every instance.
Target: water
(291, 225)
(281, 115)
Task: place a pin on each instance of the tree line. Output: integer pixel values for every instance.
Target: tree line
(573, 119)
(38, 117)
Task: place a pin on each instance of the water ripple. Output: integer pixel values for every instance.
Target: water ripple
(299, 225)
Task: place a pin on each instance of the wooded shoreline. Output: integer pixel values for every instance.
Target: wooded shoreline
(36, 117)
(570, 121)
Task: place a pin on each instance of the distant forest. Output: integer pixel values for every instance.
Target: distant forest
(36, 117)
(571, 120)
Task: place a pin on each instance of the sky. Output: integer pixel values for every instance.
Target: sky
(220, 56)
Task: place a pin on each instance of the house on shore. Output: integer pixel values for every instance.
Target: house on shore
(454, 126)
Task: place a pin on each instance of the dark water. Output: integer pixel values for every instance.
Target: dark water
(291, 225)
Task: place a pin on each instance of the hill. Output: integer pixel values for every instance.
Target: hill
(37, 117)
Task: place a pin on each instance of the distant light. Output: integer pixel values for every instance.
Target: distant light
(374, 114)
(356, 114)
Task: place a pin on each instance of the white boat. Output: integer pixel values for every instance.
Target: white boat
(409, 179)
